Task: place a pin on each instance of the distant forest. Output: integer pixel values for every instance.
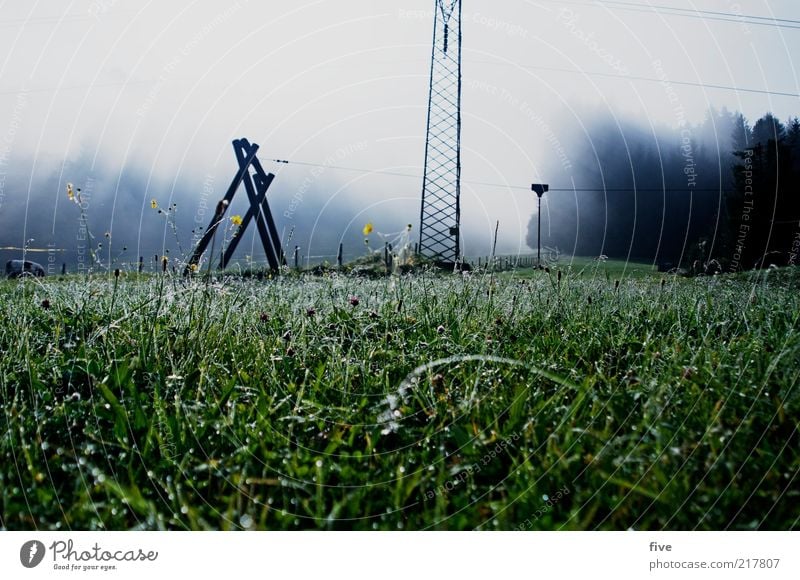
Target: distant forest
(723, 191)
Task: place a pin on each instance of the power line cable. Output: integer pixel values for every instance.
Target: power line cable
(62, 19)
(641, 78)
(92, 86)
(497, 185)
(687, 13)
(770, 19)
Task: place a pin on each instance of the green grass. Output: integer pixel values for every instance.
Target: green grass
(158, 404)
(583, 267)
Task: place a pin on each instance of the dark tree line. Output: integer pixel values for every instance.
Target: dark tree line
(721, 190)
(763, 208)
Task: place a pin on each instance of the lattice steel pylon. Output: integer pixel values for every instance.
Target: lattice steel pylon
(440, 217)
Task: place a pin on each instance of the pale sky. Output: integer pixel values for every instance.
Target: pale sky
(162, 88)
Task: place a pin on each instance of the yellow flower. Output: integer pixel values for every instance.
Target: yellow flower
(236, 220)
(154, 203)
(193, 267)
(368, 229)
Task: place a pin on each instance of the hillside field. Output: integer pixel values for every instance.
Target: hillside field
(593, 399)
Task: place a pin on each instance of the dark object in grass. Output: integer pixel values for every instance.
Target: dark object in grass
(19, 268)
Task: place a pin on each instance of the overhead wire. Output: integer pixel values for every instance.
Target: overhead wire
(640, 78)
(706, 15)
(769, 19)
(496, 185)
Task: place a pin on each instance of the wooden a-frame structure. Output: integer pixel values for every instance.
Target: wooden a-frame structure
(256, 185)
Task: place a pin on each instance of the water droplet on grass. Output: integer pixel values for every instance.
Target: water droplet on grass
(246, 521)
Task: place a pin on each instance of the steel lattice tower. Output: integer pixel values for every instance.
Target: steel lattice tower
(440, 219)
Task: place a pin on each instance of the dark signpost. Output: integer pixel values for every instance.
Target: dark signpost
(540, 189)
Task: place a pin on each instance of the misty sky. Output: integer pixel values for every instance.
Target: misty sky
(142, 99)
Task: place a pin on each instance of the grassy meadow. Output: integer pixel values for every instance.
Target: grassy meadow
(586, 399)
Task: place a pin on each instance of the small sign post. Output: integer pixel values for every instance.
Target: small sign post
(539, 189)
